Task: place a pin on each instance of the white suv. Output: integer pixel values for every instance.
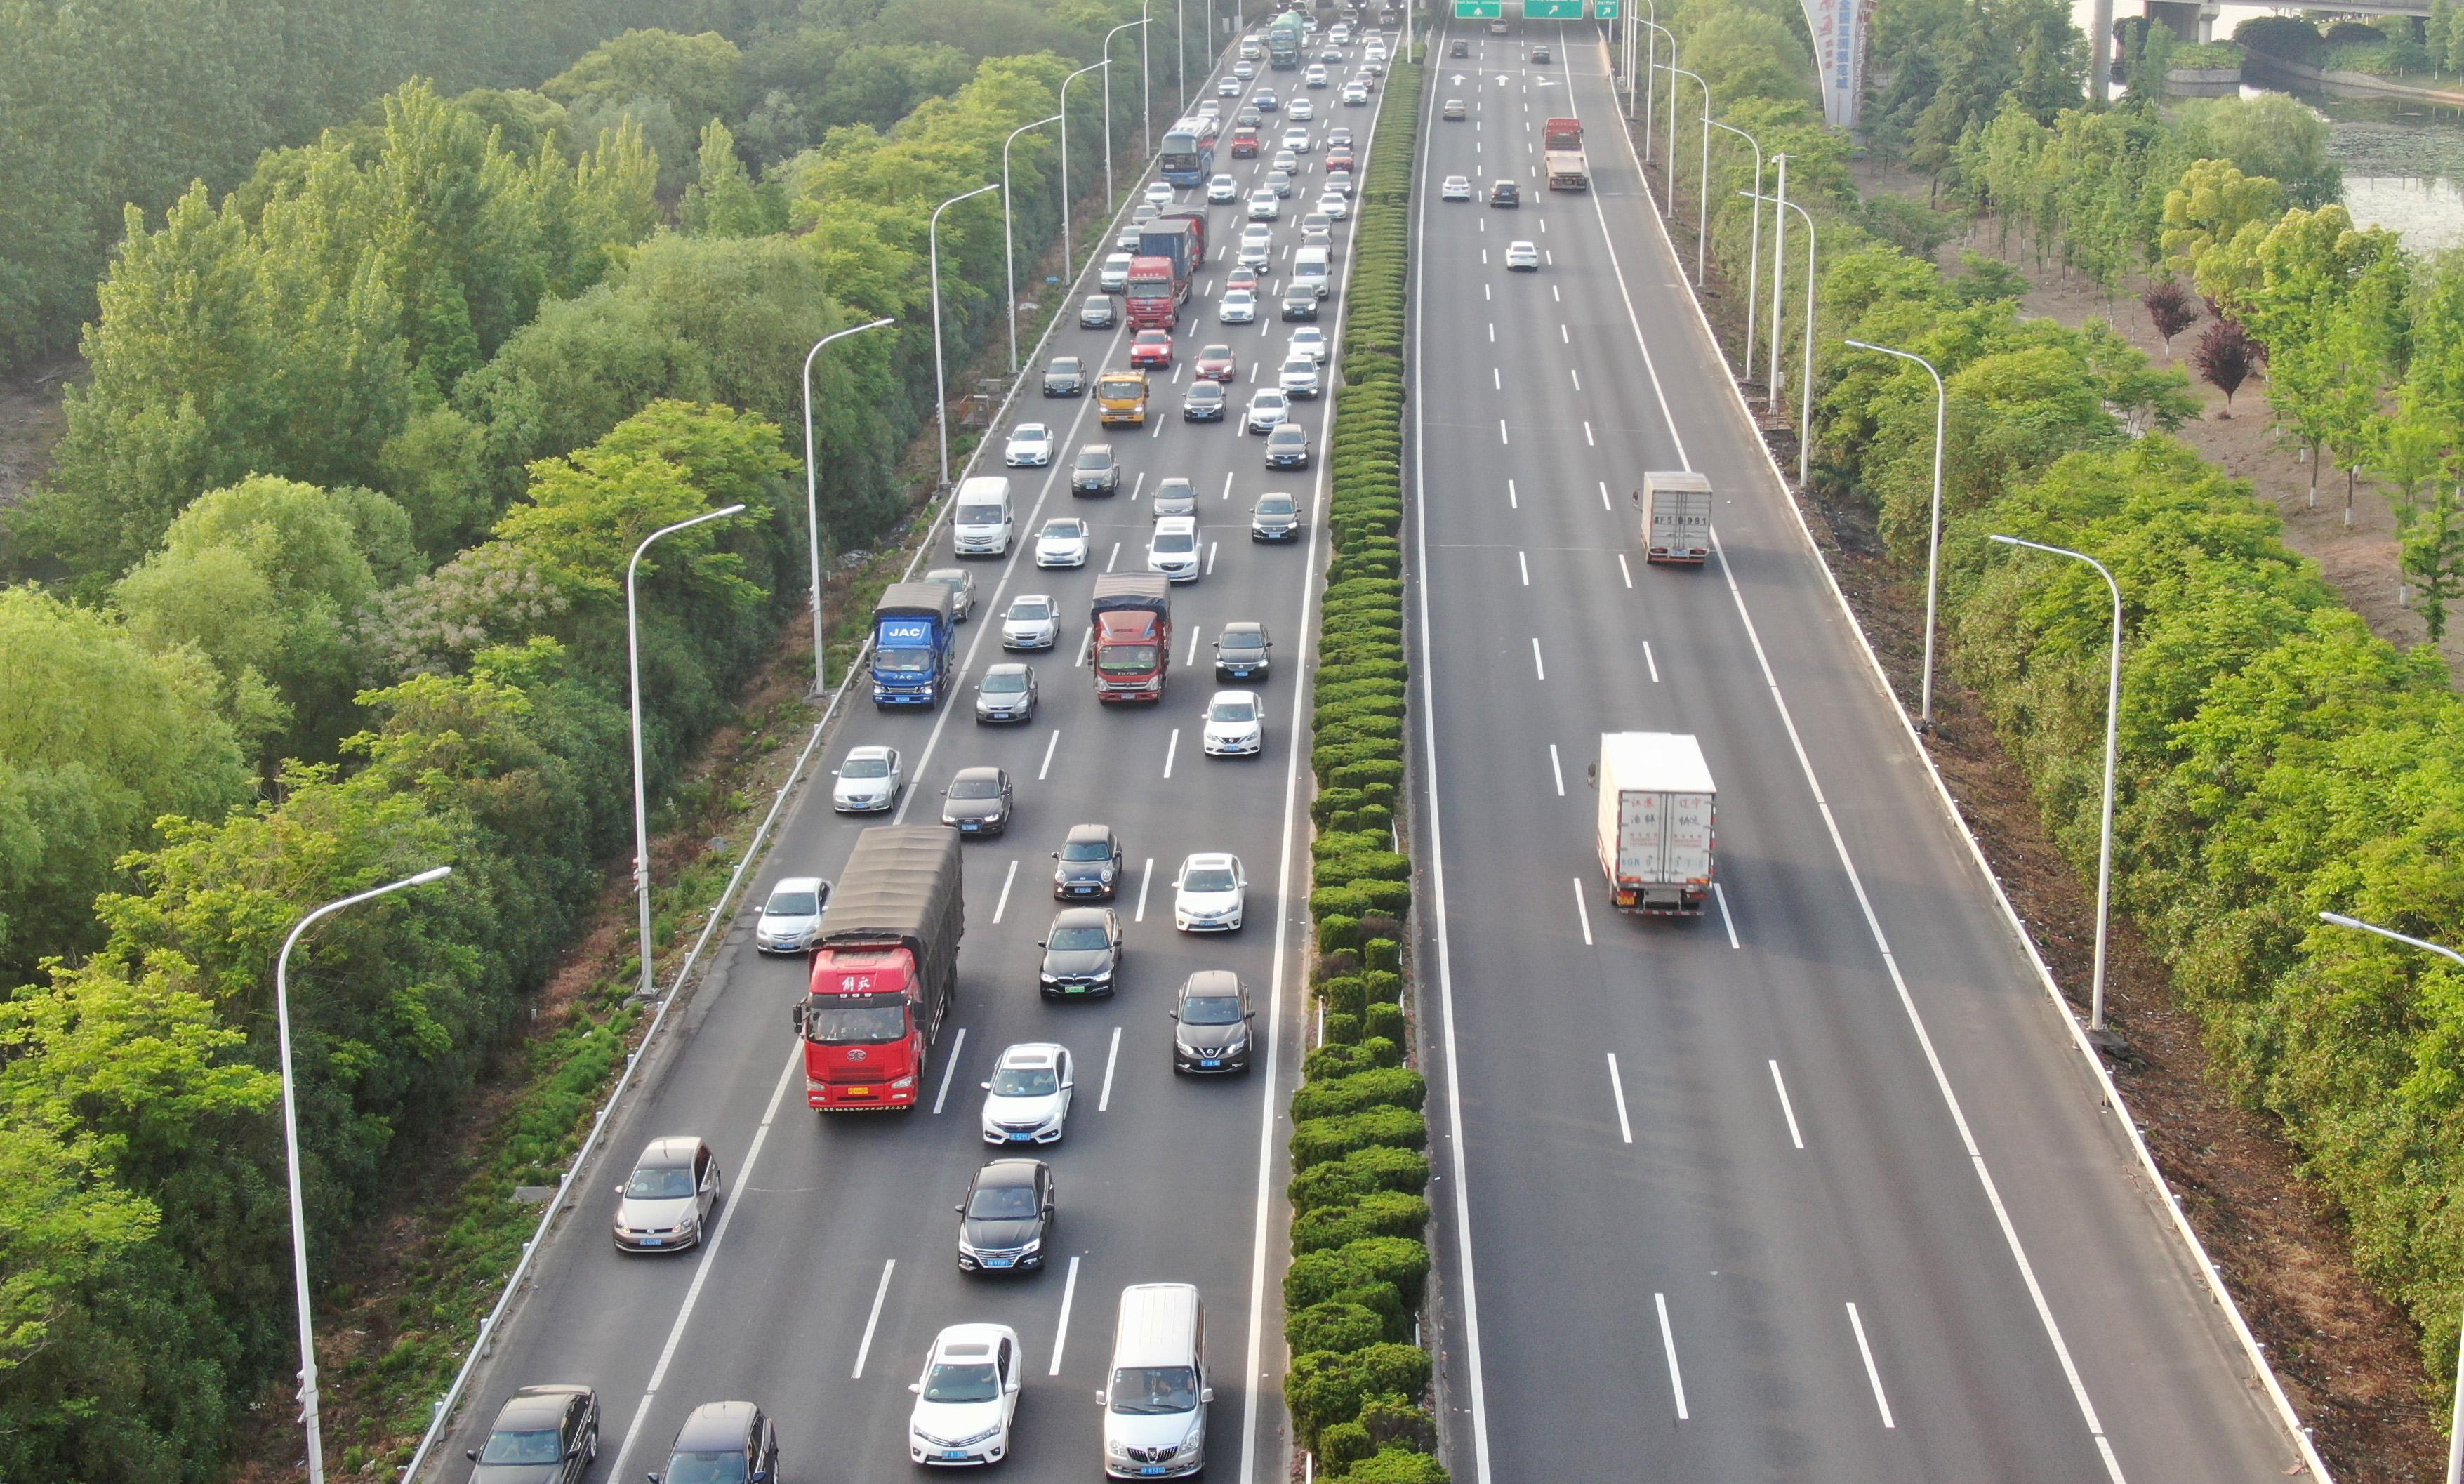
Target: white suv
(1174, 550)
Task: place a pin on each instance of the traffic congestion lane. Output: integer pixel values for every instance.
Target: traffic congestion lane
(823, 1215)
(1919, 1325)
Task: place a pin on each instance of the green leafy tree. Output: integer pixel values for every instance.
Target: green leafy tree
(2211, 207)
(722, 201)
(697, 76)
(2270, 133)
(2433, 559)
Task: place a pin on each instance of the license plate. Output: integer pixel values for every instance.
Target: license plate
(1021, 1139)
(953, 1454)
(968, 828)
(998, 1262)
(654, 1241)
(1152, 1469)
(859, 1092)
(1211, 1061)
(1084, 891)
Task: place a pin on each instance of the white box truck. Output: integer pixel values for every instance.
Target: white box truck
(1676, 516)
(1656, 821)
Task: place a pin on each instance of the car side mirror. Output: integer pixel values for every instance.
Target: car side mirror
(1206, 1393)
(916, 1386)
(1248, 1015)
(620, 1191)
(655, 1478)
(1101, 1399)
(470, 1453)
(960, 1207)
(574, 1451)
(986, 1086)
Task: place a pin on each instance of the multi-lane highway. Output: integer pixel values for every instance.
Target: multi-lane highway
(833, 1264)
(1815, 1186)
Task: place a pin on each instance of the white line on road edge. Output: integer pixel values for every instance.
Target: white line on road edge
(1648, 661)
(1049, 749)
(878, 1294)
(1787, 1108)
(1616, 1090)
(709, 1257)
(1720, 894)
(1537, 665)
(1112, 1059)
(1628, 573)
(1873, 1375)
(1171, 750)
(1008, 881)
(1583, 910)
(1555, 771)
(1146, 878)
(1668, 1347)
(950, 1070)
(1061, 1331)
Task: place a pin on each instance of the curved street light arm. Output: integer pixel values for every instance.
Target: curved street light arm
(813, 499)
(1933, 535)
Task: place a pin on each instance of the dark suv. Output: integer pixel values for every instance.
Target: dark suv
(1241, 651)
(723, 1440)
(1506, 194)
(1089, 864)
(1097, 472)
(1211, 1022)
(543, 1436)
(1064, 377)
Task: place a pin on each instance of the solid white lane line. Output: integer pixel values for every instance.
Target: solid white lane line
(1008, 881)
(1604, 488)
(1583, 910)
(1617, 1086)
(1146, 878)
(1881, 1403)
(1668, 1347)
(1085, 642)
(878, 1294)
(1648, 661)
(1538, 666)
(1171, 749)
(950, 1072)
(1626, 571)
(1524, 565)
(1787, 1109)
(1114, 557)
(1720, 895)
(1054, 745)
(1555, 771)
(1112, 1059)
(1511, 503)
(1061, 1331)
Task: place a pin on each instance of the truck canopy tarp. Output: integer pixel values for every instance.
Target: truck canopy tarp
(915, 600)
(901, 882)
(1148, 592)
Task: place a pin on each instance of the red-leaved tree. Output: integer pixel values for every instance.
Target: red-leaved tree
(2225, 357)
(2170, 309)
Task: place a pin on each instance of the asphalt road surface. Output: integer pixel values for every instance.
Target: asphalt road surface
(1814, 1187)
(834, 1264)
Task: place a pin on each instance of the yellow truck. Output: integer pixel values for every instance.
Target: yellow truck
(1121, 398)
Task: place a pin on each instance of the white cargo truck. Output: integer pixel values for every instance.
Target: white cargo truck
(1656, 821)
(1676, 516)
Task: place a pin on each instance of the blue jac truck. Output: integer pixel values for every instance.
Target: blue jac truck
(911, 644)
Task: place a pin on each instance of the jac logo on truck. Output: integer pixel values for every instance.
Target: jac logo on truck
(907, 631)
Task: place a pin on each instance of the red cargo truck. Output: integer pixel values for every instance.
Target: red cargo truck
(1197, 234)
(1562, 134)
(885, 970)
(1132, 643)
(1156, 293)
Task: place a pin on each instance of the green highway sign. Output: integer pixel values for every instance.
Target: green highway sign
(1553, 10)
(1604, 10)
(1479, 10)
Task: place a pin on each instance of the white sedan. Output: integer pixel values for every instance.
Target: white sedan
(1265, 206)
(967, 1396)
(1033, 622)
(868, 781)
(1062, 542)
(1229, 87)
(1332, 204)
(1456, 188)
(1235, 725)
(1223, 191)
(1159, 195)
(1522, 257)
(1240, 306)
(1027, 1099)
(1302, 109)
(1030, 446)
(1309, 340)
(1269, 406)
(1207, 893)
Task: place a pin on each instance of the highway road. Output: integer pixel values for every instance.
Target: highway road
(834, 1263)
(1813, 1188)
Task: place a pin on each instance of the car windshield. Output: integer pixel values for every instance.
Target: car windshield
(1300, 368)
(1275, 505)
(1062, 530)
(1210, 1010)
(865, 767)
(1067, 366)
(1242, 641)
(975, 788)
(518, 1448)
(972, 1380)
(1176, 489)
(901, 661)
(1232, 711)
(1086, 850)
(990, 515)
(1089, 459)
(1030, 607)
(1206, 391)
(713, 1467)
(857, 1025)
(1097, 306)
(660, 1182)
(1128, 659)
(793, 904)
(1270, 400)
(1153, 1390)
(1207, 878)
(1025, 1082)
(1002, 1202)
(1081, 937)
(1011, 682)
(1289, 436)
(1175, 543)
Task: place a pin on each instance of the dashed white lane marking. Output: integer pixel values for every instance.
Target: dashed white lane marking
(1146, 878)
(1624, 571)
(1008, 881)
(878, 1294)
(1583, 912)
(1538, 666)
(1555, 771)
(1787, 1109)
(1617, 1086)
(1881, 1403)
(1112, 1059)
(947, 1073)
(1061, 1332)
(1668, 1345)
(1720, 894)
(1049, 749)
(1649, 662)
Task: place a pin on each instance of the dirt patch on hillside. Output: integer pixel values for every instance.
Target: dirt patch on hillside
(32, 420)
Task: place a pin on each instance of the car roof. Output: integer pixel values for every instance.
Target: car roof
(1288, 432)
(973, 773)
(1211, 981)
(716, 1425)
(669, 1152)
(1044, 598)
(796, 884)
(950, 574)
(532, 1407)
(1031, 1054)
(1082, 916)
(1209, 858)
(1154, 334)
(869, 750)
(1251, 697)
(1244, 627)
(1080, 833)
(972, 1342)
(1005, 667)
(1038, 428)
(1072, 522)
(1065, 361)
(1008, 1172)
(1178, 524)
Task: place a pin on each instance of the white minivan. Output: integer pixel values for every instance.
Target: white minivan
(1154, 1411)
(1313, 269)
(979, 519)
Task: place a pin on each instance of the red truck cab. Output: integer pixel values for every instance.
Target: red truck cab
(884, 971)
(1132, 644)
(1562, 134)
(1155, 293)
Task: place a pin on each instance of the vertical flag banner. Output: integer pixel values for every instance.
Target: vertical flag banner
(1839, 29)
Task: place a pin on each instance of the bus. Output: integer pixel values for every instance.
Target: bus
(1188, 157)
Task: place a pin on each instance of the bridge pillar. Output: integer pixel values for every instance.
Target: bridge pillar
(2188, 20)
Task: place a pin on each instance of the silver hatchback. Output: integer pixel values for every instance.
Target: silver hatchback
(665, 1205)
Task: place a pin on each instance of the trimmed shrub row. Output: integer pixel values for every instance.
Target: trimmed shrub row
(1359, 1265)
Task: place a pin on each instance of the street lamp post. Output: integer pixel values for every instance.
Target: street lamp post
(1754, 246)
(813, 498)
(2112, 734)
(940, 387)
(1010, 244)
(1146, 75)
(308, 1414)
(1069, 202)
(1653, 66)
(641, 794)
(1703, 176)
(1779, 274)
(1933, 537)
(1111, 197)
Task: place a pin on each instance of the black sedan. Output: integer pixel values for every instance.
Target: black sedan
(1241, 651)
(1211, 1022)
(1089, 864)
(1300, 304)
(1065, 376)
(1082, 954)
(1202, 403)
(1288, 447)
(542, 1435)
(978, 802)
(1006, 1216)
